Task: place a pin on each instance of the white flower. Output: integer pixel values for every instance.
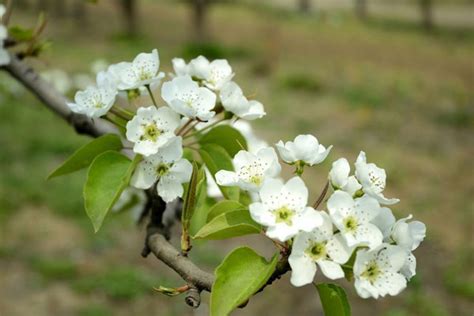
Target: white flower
(131, 200)
(251, 170)
(284, 209)
(110, 77)
(186, 97)
(305, 148)
(214, 74)
(233, 100)
(408, 235)
(93, 102)
(59, 79)
(318, 247)
(340, 179)
(168, 167)
(152, 128)
(353, 218)
(409, 268)
(372, 179)
(142, 71)
(179, 66)
(254, 142)
(377, 272)
(384, 221)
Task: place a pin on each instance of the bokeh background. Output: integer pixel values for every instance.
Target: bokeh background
(393, 78)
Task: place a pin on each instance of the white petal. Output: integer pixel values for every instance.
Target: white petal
(365, 289)
(331, 269)
(260, 213)
(296, 194)
(308, 220)
(392, 258)
(367, 234)
(339, 173)
(169, 189)
(320, 156)
(366, 209)
(172, 151)
(285, 154)
(303, 270)
(340, 202)
(269, 159)
(4, 57)
(270, 191)
(384, 221)
(352, 186)
(391, 283)
(255, 111)
(179, 66)
(227, 178)
(166, 118)
(181, 171)
(409, 268)
(281, 231)
(144, 175)
(199, 67)
(338, 250)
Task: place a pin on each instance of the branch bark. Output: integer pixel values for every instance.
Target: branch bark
(54, 100)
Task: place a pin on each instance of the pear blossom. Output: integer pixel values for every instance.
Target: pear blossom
(214, 74)
(283, 209)
(4, 56)
(186, 97)
(233, 100)
(377, 271)
(340, 179)
(320, 247)
(59, 79)
(142, 71)
(152, 128)
(180, 67)
(304, 148)
(167, 167)
(110, 77)
(384, 221)
(251, 170)
(93, 101)
(408, 235)
(353, 218)
(372, 179)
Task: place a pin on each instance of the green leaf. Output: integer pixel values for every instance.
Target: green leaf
(83, 157)
(223, 207)
(334, 300)
(107, 177)
(216, 158)
(227, 137)
(228, 225)
(190, 196)
(242, 273)
(203, 203)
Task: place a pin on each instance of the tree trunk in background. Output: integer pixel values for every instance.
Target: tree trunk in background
(304, 6)
(59, 8)
(426, 7)
(361, 9)
(129, 8)
(42, 5)
(79, 11)
(199, 19)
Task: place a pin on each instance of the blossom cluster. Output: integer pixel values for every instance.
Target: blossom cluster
(195, 94)
(357, 236)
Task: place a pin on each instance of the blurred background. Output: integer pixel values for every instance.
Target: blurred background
(392, 77)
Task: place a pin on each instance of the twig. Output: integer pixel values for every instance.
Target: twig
(321, 196)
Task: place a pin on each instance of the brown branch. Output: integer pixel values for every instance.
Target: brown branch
(54, 100)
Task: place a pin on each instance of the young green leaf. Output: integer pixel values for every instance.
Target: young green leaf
(227, 137)
(228, 225)
(216, 158)
(83, 157)
(107, 177)
(189, 205)
(242, 273)
(334, 300)
(223, 207)
(203, 203)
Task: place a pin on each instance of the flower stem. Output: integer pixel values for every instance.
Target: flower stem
(180, 131)
(151, 95)
(321, 196)
(206, 128)
(120, 114)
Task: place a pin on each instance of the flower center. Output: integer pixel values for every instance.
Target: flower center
(284, 215)
(151, 133)
(257, 180)
(350, 223)
(162, 169)
(317, 251)
(144, 74)
(371, 272)
(376, 181)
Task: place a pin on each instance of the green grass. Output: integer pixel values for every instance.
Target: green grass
(122, 283)
(54, 268)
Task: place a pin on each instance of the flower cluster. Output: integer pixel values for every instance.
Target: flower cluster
(4, 56)
(357, 237)
(197, 93)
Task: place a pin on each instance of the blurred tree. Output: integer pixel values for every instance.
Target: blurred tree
(426, 7)
(304, 6)
(361, 9)
(199, 13)
(129, 10)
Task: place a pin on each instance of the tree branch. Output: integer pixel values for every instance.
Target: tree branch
(54, 100)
